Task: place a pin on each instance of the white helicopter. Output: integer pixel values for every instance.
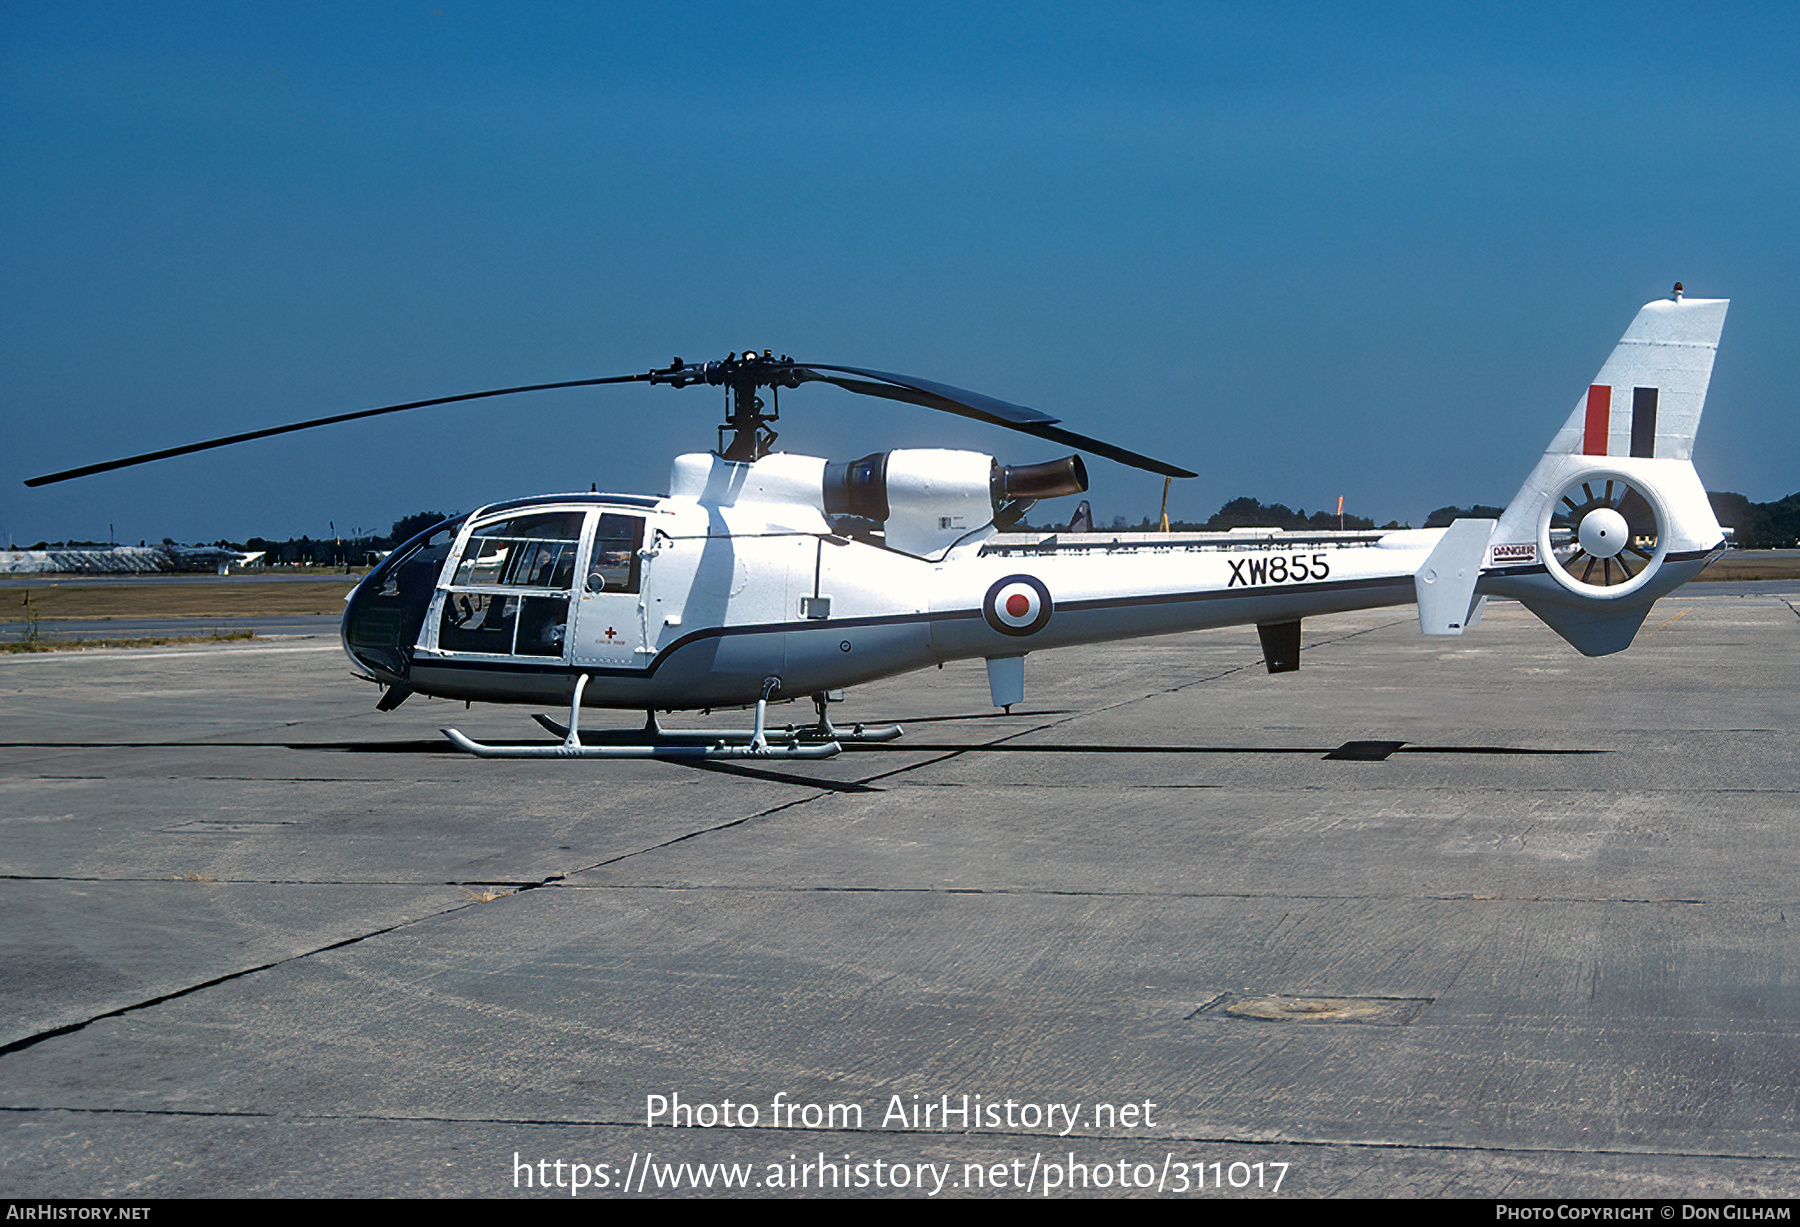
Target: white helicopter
(764, 576)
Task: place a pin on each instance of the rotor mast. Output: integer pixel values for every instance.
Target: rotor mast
(746, 435)
(751, 436)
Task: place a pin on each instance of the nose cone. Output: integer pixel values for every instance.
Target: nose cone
(375, 630)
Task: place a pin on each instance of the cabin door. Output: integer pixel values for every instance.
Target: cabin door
(609, 602)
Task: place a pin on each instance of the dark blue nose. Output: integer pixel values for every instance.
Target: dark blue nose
(386, 613)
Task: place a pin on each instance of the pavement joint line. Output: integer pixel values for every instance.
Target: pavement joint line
(148, 654)
(51, 877)
(1196, 1139)
(1266, 790)
(1054, 892)
(258, 779)
(560, 881)
(942, 758)
(30, 1041)
(754, 772)
(1262, 790)
(1080, 748)
(695, 834)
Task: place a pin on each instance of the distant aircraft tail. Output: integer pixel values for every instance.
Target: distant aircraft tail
(1614, 515)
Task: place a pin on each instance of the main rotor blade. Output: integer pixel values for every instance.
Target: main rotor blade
(167, 452)
(982, 408)
(907, 388)
(938, 396)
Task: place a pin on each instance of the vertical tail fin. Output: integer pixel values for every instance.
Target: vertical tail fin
(1646, 401)
(1614, 515)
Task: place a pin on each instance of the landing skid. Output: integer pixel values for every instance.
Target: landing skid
(820, 740)
(822, 731)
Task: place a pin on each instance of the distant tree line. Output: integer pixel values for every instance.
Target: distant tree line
(338, 551)
(1756, 526)
(1444, 516)
(1247, 512)
(1759, 526)
(67, 545)
(1243, 512)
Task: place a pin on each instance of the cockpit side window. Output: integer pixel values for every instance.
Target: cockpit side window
(534, 551)
(614, 565)
(522, 555)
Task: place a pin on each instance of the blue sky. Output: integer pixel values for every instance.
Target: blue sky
(1305, 250)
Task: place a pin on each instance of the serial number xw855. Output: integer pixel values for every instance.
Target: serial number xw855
(1277, 569)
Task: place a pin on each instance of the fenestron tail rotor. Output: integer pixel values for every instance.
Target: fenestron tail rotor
(1606, 535)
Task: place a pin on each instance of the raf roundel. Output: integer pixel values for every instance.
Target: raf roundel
(1017, 605)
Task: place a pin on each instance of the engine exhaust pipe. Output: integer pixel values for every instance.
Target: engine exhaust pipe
(1051, 479)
